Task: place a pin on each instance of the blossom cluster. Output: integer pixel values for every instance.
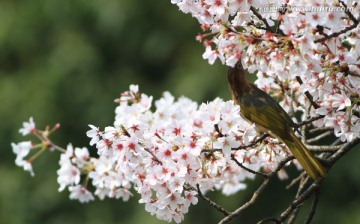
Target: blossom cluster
(169, 151)
(321, 48)
(165, 155)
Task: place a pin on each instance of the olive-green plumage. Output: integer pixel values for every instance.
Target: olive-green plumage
(258, 107)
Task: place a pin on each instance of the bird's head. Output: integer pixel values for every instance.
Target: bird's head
(237, 80)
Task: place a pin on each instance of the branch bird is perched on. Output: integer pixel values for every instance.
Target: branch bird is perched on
(258, 107)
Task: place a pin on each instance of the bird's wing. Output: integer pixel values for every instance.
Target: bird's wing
(273, 104)
(268, 119)
(260, 108)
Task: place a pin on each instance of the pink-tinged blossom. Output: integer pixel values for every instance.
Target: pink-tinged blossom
(80, 193)
(210, 55)
(28, 167)
(239, 6)
(134, 88)
(145, 103)
(315, 18)
(94, 134)
(68, 173)
(161, 151)
(82, 157)
(28, 127)
(158, 152)
(217, 7)
(340, 101)
(226, 144)
(298, 54)
(21, 150)
(250, 135)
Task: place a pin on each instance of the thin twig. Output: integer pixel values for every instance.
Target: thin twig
(353, 74)
(260, 139)
(341, 152)
(300, 199)
(256, 193)
(319, 137)
(49, 144)
(336, 142)
(270, 219)
(335, 34)
(294, 181)
(323, 148)
(292, 215)
(281, 12)
(248, 169)
(248, 203)
(319, 129)
(313, 206)
(348, 13)
(212, 203)
(309, 121)
(281, 165)
(297, 202)
(216, 126)
(154, 156)
(303, 133)
(307, 94)
(353, 26)
(268, 28)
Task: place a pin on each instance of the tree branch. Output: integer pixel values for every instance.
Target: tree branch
(248, 169)
(309, 121)
(256, 193)
(301, 196)
(154, 156)
(313, 206)
(260, 139)
(348, 13)
(212, 203)
(307, 94)
(319, 137)
(342, 152)
(248, 204)
(323, 148)
(295, 212)
(320, 129)
(268, 28)
(300, 199)
(353, 26)
(352, 74)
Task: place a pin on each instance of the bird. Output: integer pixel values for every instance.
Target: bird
(256, 106)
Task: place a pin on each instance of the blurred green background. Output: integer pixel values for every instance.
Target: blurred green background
(66, 61)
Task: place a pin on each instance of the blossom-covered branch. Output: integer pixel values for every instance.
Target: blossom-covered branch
(303, 54)
(169, 155)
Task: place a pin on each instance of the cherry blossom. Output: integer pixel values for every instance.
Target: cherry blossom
(302, 47)
(68, 174)
(21, 150)
(80, 193)
(170, 151)
(28, 127)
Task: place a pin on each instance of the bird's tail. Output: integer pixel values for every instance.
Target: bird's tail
(308, 161)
